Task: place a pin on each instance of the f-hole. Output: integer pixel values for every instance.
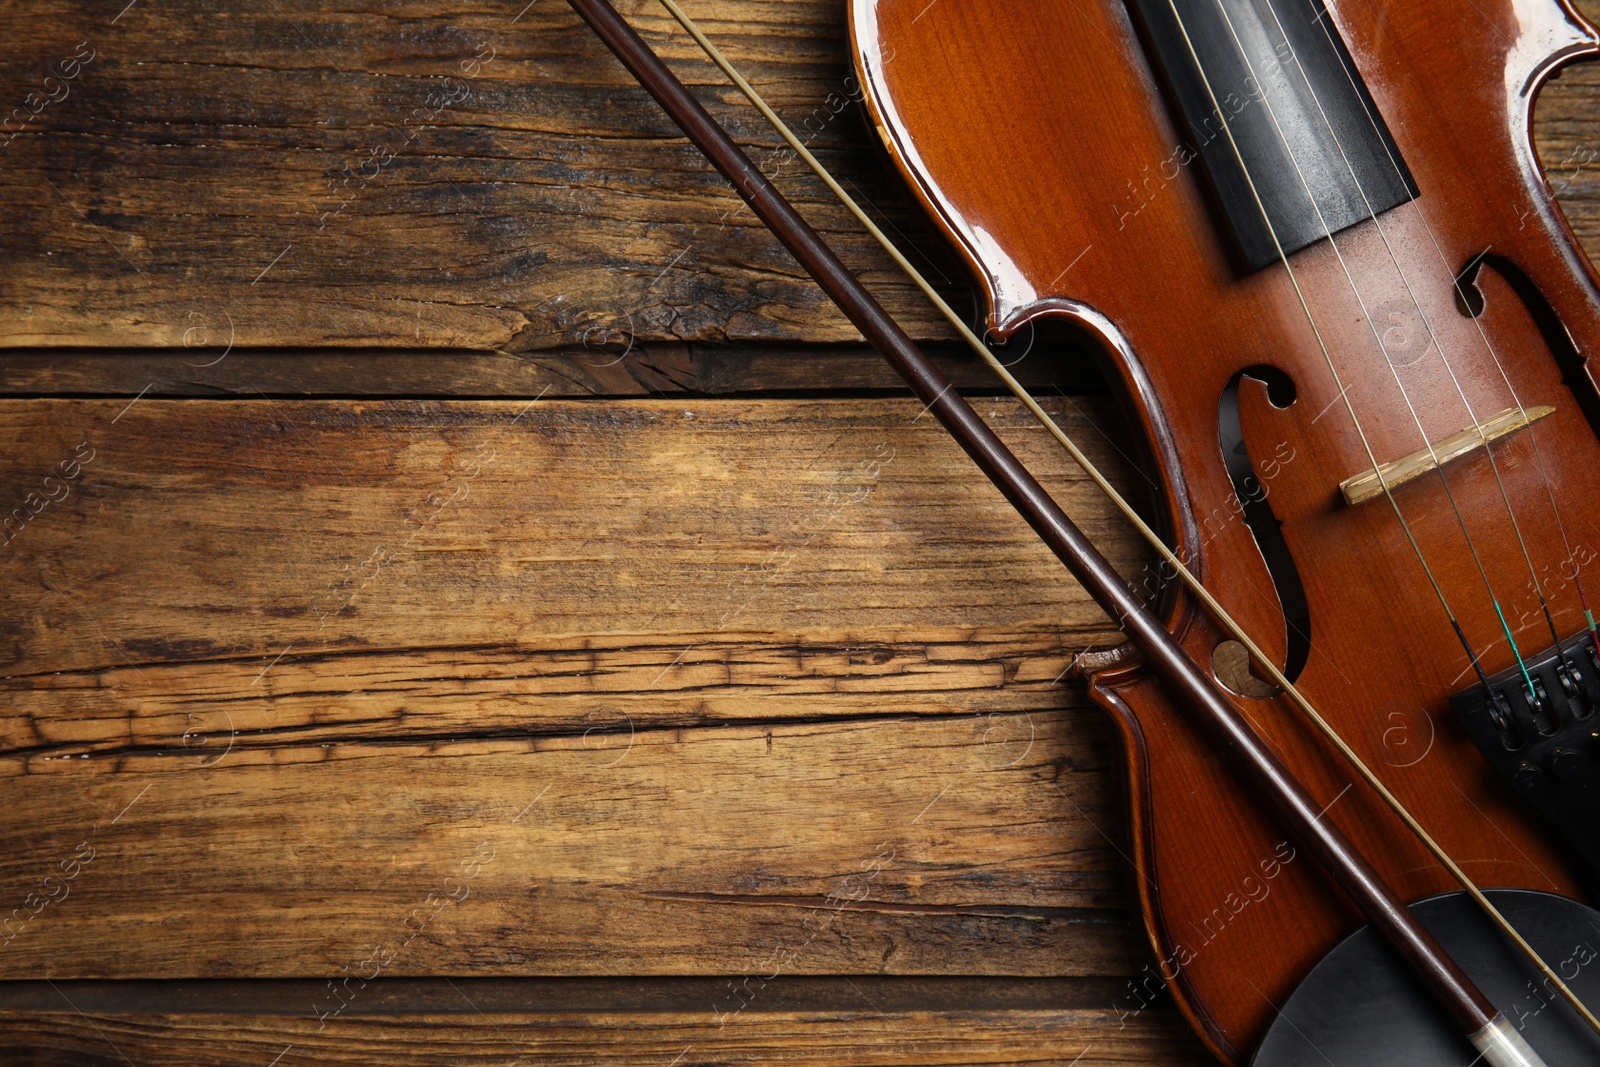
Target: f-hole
(1574, 372)
(1257, 514)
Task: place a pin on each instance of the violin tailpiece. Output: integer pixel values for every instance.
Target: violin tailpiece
(1546, 743)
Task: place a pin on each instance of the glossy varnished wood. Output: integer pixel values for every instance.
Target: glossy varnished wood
(1053, 104)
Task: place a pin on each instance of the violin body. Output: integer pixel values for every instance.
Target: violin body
(1043, 142)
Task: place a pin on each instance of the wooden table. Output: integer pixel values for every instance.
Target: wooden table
(471, 600)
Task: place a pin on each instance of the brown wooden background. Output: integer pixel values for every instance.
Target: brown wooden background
(477, 602)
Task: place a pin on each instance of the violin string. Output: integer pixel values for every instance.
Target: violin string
(1434, 340)
(1343, 393)
(1460, 292)
(1484, 904)
(1366, 315)
(1183, 573)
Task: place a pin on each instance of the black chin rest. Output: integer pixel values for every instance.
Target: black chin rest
(1361, 1006)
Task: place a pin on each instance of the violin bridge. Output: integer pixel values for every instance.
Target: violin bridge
(1362, 487)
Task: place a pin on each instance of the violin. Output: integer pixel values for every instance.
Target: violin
(1312, 245)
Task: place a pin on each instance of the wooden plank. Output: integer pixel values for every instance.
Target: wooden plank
(494, 691)
(189, 167)
(229, 531)
(608, 367)
(633, 995)
(864, 1036)
(698, 676)
(827, 848)
(440, 175)
(299, 177)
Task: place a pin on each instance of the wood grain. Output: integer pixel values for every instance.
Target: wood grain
(251, 620)
(866, 1019)
(199, 178)
(230, 530)
(861, 1036)
(550, 205)
(547, 233)
(609, 365)
(651, 852)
